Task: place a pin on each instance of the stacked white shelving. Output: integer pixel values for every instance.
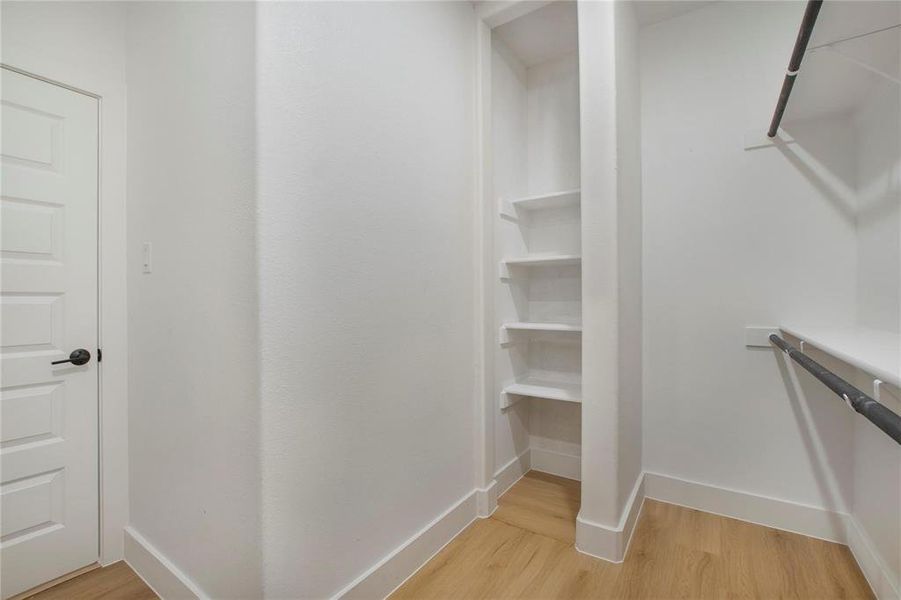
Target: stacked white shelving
(544, 283)
(533, 243)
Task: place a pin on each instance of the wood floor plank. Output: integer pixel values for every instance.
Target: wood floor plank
(525, 550)
(113, 582)
(543, 504)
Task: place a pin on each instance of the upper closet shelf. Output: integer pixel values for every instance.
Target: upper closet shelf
(542, 260)
(873, 351)
(542, 327)
(512, 209)
(552, 200)
(523, 327)
(536, 388)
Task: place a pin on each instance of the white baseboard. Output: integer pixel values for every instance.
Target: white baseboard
(157, 571)
(486, 500)
(611, 543)
(512, 472)
(555, 463)
(874, 568)
(389, 573)
(772, 512)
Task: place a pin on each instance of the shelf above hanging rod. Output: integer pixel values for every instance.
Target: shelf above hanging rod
(882, 417)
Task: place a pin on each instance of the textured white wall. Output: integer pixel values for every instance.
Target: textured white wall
(193, 393)
(600, 266)
(611, 264)
(365, 118)
(735, 238)
(553, 122)
(878, 198)
(629, 235)
(877, 459)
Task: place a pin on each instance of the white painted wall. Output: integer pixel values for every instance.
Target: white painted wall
(878, 169)
(365, 115)
(553, 125)
(612, 273)
(193, 354)
(629, 236)
(82, 44)
(735, 238)
(876, 502)
(600, 289)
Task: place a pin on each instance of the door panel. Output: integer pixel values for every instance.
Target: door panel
(48, 307)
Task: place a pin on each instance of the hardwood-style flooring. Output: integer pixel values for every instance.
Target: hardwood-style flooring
(525, 550)
(115, 582)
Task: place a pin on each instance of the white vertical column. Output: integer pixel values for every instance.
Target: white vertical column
(599, 514)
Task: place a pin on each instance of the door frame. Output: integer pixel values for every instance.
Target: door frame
(112, 401)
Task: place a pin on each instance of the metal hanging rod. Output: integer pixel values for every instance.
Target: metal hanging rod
(794, 64)
(880, 416)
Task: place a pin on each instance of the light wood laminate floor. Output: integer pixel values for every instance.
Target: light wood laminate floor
(115, 582)
(525, 550)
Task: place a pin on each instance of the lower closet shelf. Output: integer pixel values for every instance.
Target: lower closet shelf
(537, 388)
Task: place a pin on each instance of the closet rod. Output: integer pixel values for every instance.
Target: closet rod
(880, 416)
(794, 64)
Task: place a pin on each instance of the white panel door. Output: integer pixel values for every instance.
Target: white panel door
(48, 308)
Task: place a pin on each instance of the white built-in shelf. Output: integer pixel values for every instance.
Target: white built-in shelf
(542, 260)
(538, 388)
(521, 326)
(552, 200)
(871, 350)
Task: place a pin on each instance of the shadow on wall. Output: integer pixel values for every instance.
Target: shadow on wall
(825, 425)
(822, 153)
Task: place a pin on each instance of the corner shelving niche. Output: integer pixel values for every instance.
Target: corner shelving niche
(537, 248)
(544, 281)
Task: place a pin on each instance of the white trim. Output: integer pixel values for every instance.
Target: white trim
(556, 463)
(757, 138)
(157, 571)
(109, 87)
(873, 566)
(762, 510)
(484, 273)
(609, 543)
(392, 571)
(512, 472)
(486, 500)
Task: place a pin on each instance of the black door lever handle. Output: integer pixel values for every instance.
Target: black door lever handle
(78, 357)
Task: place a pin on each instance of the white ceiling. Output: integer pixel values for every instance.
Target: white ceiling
(542, 35)
(552, 30)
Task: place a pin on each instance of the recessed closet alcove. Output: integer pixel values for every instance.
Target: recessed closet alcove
(537, 250)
